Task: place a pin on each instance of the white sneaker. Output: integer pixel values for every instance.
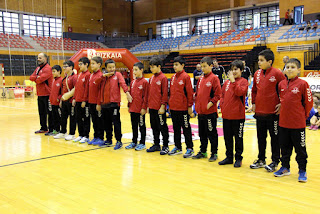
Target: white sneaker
(84, 140)
(69, 137)
(77, 139)
(59, 136)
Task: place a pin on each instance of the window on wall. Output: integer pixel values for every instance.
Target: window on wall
(9, 22)
(261, 17)
(42, 26)
(174, 29)
(216, 23)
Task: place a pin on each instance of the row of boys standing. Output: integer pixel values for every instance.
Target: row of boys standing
(101, 94)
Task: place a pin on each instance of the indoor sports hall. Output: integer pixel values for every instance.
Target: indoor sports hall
(40, 173)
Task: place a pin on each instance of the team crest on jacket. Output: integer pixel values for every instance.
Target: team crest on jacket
(295, 90)
(272, 79)
(140, 87)
(208, 84)
(158, 83)
(115, 77)
(83, 79)
(58, 84)
(180, 82)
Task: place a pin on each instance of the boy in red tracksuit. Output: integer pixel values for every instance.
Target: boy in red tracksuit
(43, 78)
(265, 104)
(207, 95)
(180, 104)
(110, 99)
(81, 101)
(232, 105)
(138, 108)
(55, 97)
(157, 101)
(67, 109)
(296, 103)
(93, 97)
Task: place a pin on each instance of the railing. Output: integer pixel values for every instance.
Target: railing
(310, 56)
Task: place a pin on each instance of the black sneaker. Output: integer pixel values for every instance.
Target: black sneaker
(271, 167)
(213, 157)
(258, 164)
(154, 148)
(165, 150)
(226, 161)
(48, 134)
(199, 155)
(237, 164)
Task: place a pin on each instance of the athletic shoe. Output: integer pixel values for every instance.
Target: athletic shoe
(188, 153)
(108, 143)
(140, 147)
(84, 140)
(175, 151)
(302, 176)
(69, 137)
(59, 136)
(315, 128)
(118, 145)
(40, 131)
(271, 167)
(213, 157)
(154, 148)
(131, 146)
(77, 139)
(281, 172)
(199, 155)
(92, 141)
(48, 134)
(98, 142)
(165, 150)
(226, 161)
(311, 127)
(237, 164)
(54, 132)
(258, 164)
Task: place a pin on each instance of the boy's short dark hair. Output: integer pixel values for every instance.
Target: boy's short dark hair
(214, 60)
(267, 54)
(180, 59)
(207, 59)
(155, 61)
(69, 63)
(139, 65)
(85, 60)
(295, 61)
(57, 68)
(97, 59)
(238, 64)
(109, 61)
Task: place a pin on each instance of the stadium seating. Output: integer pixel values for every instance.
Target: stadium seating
(296, 32)
(14, 41)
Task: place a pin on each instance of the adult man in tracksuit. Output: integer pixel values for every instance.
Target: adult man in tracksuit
(43, 78)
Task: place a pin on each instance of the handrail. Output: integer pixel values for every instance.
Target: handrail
(310, 56)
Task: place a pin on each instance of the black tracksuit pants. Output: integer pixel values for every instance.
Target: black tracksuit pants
(111, 116)
(83, 119)
(56, 114)
(159, 124)
(262, 131)
(181, 119)
(233, 129)
(208, 130)
(68, 110)
(45, 113)
(290, 138)
(97, 121)
(138, 122)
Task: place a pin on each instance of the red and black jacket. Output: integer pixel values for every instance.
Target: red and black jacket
(296, 103)
(265, 93)
(71, 81)
(232, 101)
(208, 90)
(43, 78)
(94, 87)
(82, 87)
(55, 94)
(181, 92)
(158, 91)
(139, 89)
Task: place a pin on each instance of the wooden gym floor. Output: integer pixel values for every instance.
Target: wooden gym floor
(41, 175)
